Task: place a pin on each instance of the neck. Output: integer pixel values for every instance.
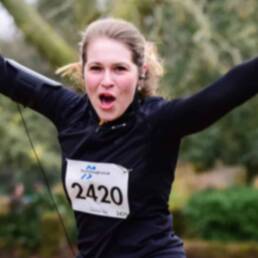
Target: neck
(101, 122)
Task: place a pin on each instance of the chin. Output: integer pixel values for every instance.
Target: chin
(108, 118)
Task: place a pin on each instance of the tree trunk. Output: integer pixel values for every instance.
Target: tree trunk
(40, 33)
(85, 12)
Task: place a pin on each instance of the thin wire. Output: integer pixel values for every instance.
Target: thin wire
(41, 168)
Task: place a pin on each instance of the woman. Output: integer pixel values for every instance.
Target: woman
(119, 143)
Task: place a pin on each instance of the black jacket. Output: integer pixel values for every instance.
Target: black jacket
(144, 141)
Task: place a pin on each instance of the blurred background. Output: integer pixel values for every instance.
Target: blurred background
(215, 194)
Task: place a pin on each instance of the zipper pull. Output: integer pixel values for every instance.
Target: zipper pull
(118, 126)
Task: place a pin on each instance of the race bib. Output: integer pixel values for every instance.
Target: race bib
(98, 188)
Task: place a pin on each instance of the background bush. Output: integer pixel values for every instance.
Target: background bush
(223, 215)
(34, 224)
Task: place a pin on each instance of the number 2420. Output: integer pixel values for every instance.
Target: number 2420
(105, 195)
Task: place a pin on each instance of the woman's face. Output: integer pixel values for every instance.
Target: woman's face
(111, 77)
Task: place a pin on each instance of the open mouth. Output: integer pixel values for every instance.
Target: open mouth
(106, 100)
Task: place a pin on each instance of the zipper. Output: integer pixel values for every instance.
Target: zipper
(118, 126)
(113, 127)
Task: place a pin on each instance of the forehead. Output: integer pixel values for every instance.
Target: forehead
(108, 50)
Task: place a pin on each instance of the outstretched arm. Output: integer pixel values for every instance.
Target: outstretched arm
(195, 113)
(31, 89)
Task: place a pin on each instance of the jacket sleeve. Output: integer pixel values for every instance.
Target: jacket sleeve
(195, 113)
(38, 92)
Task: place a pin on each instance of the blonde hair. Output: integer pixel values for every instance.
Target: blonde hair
(143, 52)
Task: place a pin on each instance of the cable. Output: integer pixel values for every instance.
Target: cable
(41, 168)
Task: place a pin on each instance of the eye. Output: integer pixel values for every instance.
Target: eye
(95, 68)
(120, 68)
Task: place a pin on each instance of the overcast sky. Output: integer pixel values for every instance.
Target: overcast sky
(7, 27)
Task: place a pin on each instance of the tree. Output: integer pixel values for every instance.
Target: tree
(201, 40)
(39, 33)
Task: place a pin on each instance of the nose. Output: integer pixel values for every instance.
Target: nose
(107, 80)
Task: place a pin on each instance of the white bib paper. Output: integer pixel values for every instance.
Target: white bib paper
(98, 188)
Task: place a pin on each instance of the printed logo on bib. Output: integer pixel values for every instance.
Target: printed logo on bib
(98, 188)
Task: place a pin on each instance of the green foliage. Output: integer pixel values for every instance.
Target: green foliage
(200, 40)
(223, 215)
(234, 140)
(51, 234)
(35, 28)
(34, 225)
(17, 160)
(21, 227)
(215, 249)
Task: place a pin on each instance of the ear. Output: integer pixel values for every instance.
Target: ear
(144, 70)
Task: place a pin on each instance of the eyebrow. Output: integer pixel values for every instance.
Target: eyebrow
(94, 63)
(122, 64)
(118, 63)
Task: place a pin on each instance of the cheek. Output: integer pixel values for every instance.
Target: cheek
(128, 85)
(91, 83)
